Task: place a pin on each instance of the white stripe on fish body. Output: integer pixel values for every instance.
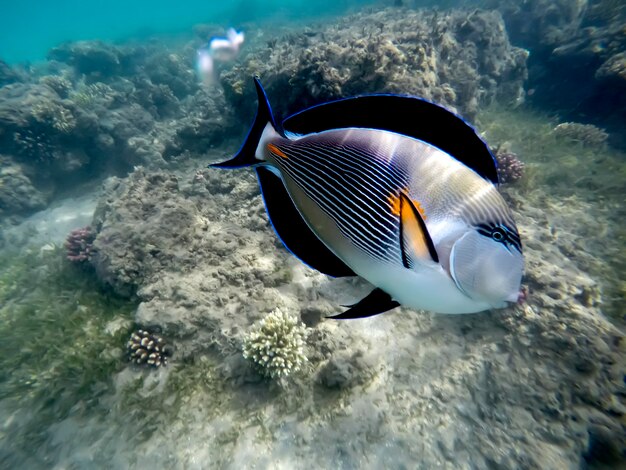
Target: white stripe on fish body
(341, 181)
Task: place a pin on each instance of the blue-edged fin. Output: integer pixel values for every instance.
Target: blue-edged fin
(377, 301)
(415, 242)
(410, 116)
(293, 231)
(246, 154)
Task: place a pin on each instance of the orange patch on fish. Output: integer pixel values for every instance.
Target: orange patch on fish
(276, 151)
(394, 203)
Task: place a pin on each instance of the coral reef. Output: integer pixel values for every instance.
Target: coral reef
(455, 58)
(98, 109)
(18, 194)
(584, 134)
(510, 167)
(548, 368)
(577, 60)
(94, 58)
(538, 385)
(276, 344)
(79, 245)
(146, 348)
(545, 22)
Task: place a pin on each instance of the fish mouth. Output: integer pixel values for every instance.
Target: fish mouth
(521, 297)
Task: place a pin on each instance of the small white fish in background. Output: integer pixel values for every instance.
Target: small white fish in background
(218, 49)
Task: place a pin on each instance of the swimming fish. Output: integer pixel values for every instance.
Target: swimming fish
(218, 49)
(394, 189)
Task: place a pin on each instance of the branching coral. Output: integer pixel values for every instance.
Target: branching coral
(79, 244)
(276, 345)
(54, 115)
(510, 167)
(60, 84)
(87, 95)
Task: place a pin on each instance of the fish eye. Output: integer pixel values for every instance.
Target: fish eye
(497, 235)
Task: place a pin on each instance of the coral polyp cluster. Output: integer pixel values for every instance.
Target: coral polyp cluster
(276, 345)
(148, 348)
(510, 167)
(79, 244)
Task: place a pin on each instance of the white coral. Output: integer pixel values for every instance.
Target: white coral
(276, 344)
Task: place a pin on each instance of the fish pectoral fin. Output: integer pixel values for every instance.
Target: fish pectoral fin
(377, 301)
(415, 242)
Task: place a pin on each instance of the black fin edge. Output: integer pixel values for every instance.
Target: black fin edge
(407, 115)
(374, 303)
(293, 231)
(246, 155)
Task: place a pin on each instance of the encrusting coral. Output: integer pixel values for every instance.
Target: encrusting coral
(276, 345)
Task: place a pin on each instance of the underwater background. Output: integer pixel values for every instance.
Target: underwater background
(138, 287)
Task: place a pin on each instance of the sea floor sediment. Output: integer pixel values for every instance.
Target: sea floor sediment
(533, 386)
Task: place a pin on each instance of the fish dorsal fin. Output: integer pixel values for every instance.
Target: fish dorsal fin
(410, 116)
(416, 245)
(293, 230)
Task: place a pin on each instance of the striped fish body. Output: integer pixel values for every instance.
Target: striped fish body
(352, 189)
(347, 183)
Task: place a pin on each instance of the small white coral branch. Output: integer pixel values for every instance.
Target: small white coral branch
(276, 344)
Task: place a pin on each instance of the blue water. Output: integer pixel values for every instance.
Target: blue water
(29, 29)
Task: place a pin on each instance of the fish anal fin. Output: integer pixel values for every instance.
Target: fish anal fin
(293, 231)
(415, 242)
(377, 301)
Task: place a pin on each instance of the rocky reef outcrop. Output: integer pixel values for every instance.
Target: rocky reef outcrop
(459, 59)
(97, 109)
(577, 61)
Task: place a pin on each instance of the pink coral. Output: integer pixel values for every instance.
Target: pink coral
(79, 244)
(510, 168)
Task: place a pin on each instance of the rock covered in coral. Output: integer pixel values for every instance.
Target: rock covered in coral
(543, 369)
(148, 348)
(510, 167)
(152, 212)
(91, 57)
(577, 60)
(456, 58)
(535, 22)
(584, 134)
(7, 74)
(276, 345)
(18, 194)
(98, 108)
(79, 245)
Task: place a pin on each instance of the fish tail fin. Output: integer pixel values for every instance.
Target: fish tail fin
(248, 155)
